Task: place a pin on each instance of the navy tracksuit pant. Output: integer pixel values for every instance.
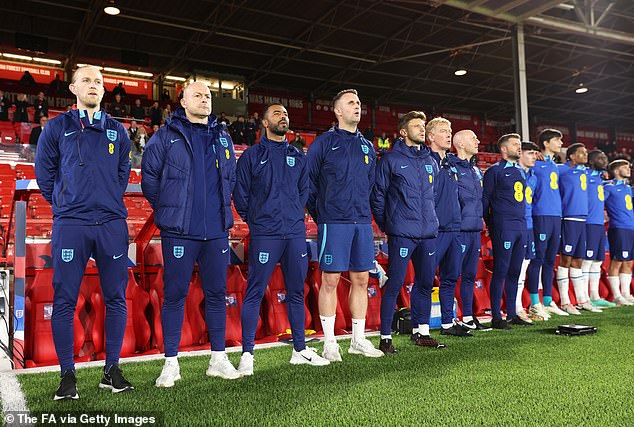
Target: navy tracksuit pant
(547, 233)
(421, 251)
(509, 248)
(179, 256)
(470, 256)
(264, 254)
(72, 246)
(449, 259)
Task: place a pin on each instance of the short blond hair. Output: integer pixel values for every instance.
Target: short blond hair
(431, 125)
(84, 67)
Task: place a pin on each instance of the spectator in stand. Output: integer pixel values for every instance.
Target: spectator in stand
(4, 107)
(117, 109)
(383, 143)
(250, 130)
(156, 114)
(119, 90)
(68, 107)
(368, 134)
(27, 79)
(133, 130)
(237, 131)
(36, 132)
(138, 146)
(333, 124)
(41, 107)
(299, 142)
(21, 105)
(165, 96)
(167, 112)
(258, 122)
(57, 86)
(137, 111)
(224, 119)
(155, 128)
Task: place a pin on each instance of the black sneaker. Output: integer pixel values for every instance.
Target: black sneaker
(475, 325)
(387, 347)
(426, 341)
(518, 321)
(456, 331)
(500, 324)
(67, 387)
(113, 380)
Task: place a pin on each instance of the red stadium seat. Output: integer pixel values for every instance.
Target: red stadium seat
(406, 289)
(373, 316)
(341, 326)
(195, 311)
(481, 298)
(275, 299)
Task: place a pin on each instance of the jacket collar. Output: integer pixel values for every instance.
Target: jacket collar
(274, 145)
(412, 152)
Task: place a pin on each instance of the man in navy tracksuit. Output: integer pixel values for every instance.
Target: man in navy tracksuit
(504, 212)
(448, 242)
(341, 166)
(270, 194)
(470, 197)
(82, 167)
(403, 205)
(573, 187)
(546, 226)
(188, 177)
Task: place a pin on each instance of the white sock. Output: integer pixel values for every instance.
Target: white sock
(328, 325)
(467, 319)
(586, 265)
(446, 325)
(218, 355)
(626, 282)
(594, 278)
(563, 284)
(386, 337)
(579, 284)
(615, 286)
(423, 330)
(520, 285)
(414, 331)
(358, 329)
(172, 360)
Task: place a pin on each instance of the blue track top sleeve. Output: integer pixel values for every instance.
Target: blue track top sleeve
(47, 161)
(243, 184)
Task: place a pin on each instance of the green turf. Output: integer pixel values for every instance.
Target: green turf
(526, 376)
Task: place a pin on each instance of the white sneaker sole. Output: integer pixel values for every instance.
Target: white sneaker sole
(352, 350)
(167, 384)
(245, 373)
(212, 373)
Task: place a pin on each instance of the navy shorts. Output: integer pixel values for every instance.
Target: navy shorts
(573, 238)
(621, 244)
(595, 242)
(530, 245)
(345, 247)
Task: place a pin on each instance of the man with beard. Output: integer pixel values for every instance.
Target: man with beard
(403, 205)
(504, 212)
(341, 165)
(270, 194)
(188, 176)
(82, 167)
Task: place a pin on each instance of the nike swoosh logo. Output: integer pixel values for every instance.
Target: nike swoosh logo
(69, 133)
(543, 166)
(335, 148)
(224, 251)
(463, 173)
(174, 140)
(117, 256)
(310, 359)
(431, 253)
(404, 166)
(263, 161)
(507, 174)
(303, 255)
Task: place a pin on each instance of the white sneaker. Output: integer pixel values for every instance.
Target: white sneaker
(629, 298)
(553, 309)
(621, 301)
(169, 375)
(331, 352)
(308, 356)
(538, 312)
(222, 367)
(589, 307)
(570, 309)
(521, 313)
(364, 347)
(245, 368)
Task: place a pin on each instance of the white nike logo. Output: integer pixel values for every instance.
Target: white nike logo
(336, 148)
(224, 251)
(174, 140)
(544, 166)
(431, 253)
(463, 173)
(303, 255)
(507, 174)
(117, 256)
(263, 161)
(69, 133)
(404, 166)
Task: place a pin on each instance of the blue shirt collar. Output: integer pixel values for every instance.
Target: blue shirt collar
(619, 182)
(550, 159)
(96, 116)
(511, 165)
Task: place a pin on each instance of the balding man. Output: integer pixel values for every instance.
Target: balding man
(189, 171)
(82, 166)
(470, 197)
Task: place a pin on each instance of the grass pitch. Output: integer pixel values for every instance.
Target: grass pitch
(526, 376)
